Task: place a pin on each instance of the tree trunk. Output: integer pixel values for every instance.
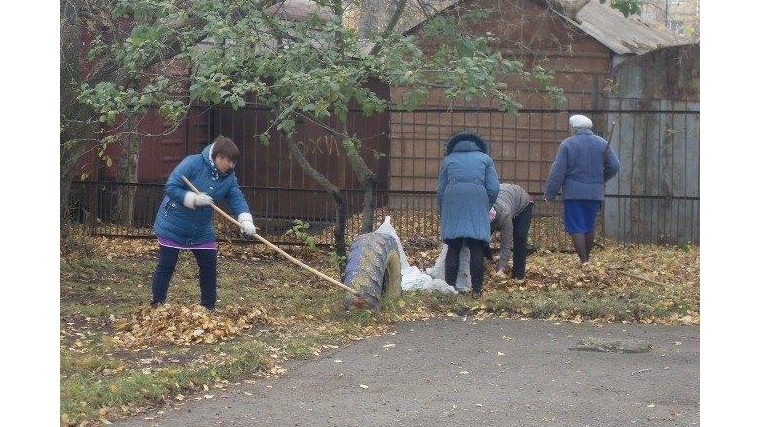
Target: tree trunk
(370, 203)
(368, 180)
(340, 231)
(125, 200)
(334, 191)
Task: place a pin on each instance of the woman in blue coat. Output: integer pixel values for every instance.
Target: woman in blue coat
(584, 163)
(185, 219)
(467, 187)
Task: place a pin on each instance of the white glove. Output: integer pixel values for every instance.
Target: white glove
(246, 220)
(491, 214)
(203, 199)
(193, 200)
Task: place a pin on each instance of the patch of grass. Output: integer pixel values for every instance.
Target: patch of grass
(83, 398)
(90, 310)
(302, 347)
(89, 394)
(74, 364)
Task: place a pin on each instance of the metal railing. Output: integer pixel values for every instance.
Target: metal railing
(416, 223)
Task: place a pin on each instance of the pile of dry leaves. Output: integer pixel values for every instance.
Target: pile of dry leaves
(184, 325)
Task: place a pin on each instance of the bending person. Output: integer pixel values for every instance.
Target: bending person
(511, 215)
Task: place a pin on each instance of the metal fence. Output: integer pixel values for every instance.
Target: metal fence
(416, 224)
(654, 198)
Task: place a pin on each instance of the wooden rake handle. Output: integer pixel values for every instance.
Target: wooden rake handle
(269, 244)
(609, 140)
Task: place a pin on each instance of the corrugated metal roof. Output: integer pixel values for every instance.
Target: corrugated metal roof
(622, 35)
(632, 35)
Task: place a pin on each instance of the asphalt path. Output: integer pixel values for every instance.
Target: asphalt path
(463, 372)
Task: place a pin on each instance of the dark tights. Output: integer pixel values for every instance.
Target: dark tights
(477, 266)
(583, 244)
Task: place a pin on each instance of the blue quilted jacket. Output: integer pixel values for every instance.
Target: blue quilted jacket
(192, 226)
(467, 187)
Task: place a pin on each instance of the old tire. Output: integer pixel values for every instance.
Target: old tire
(373, 269)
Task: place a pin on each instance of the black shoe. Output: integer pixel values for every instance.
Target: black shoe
(156, 304)
(210, 308)
(476, 294)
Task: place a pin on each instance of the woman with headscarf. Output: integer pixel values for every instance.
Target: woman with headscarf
(467, 188)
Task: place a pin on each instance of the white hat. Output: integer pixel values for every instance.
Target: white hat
(580, 121)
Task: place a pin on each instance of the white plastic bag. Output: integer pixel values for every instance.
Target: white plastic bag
(387, 228)
(441, 285)
(412, 277)
(438, 271)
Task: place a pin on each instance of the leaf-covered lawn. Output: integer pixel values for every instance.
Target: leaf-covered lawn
(118, 356)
